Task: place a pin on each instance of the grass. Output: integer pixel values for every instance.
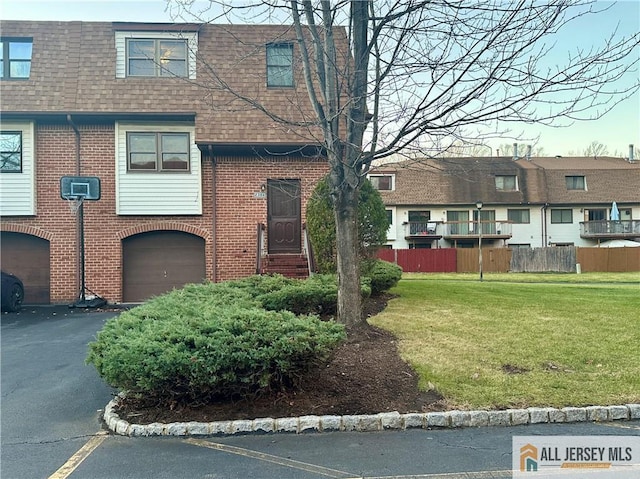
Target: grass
(521, 340)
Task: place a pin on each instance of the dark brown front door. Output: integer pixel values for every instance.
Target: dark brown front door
(159, 261)
(283, 212)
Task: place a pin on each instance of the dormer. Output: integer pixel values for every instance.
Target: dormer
(156, 50)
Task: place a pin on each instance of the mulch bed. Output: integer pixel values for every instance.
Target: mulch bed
(365, 376)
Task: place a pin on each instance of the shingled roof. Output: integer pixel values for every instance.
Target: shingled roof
(73, 71)
(463, 181)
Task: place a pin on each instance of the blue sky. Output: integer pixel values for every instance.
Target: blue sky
(617, 129)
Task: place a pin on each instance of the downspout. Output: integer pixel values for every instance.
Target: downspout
(214, 212)
(79, 227)
(543, 214)
(77, 132)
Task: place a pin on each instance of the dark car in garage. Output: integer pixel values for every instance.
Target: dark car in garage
(12, 292)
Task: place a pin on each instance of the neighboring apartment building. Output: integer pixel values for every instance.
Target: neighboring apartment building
(525, 202)
(188, 171)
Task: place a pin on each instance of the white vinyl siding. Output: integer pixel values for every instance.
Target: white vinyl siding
(17, 189)
(153, 192)
(121, 48)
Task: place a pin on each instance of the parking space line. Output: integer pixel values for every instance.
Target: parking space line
(75, 460)
(281, 461)
(620, 425)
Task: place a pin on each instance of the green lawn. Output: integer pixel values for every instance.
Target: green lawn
(568, 340)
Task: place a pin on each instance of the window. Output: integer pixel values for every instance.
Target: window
(576, 182)
(11, 151)
(597, 215)
(280, 65)
(156, 57)
(158, 151)
(561, 216)
(389, 217)
(458, 222)
(382, 182)
(16, 58)
(518, 216)
(507, 183)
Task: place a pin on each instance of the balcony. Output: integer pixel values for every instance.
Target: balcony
(491, 230)
(422, 231)
(607, 229)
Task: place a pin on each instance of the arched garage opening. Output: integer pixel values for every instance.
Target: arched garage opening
(27, 257)
(158, 261)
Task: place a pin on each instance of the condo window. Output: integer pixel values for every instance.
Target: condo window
(158, 151)
(382, 182)
(10, 152)
(506, 183)
(156, 57)
(518, 216)
(280, 65)
(576, 182)
(16, 58)
(561, 216)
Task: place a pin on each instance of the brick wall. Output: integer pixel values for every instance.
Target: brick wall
(238, 211)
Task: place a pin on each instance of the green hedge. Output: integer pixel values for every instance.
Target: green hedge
(383, 275)
(210, 340)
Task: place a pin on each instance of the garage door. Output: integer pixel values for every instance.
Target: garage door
(27, 257)
(158, 261)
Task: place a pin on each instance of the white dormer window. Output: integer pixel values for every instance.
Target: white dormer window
(576, 182)
(156, 54)
(383, 182)
(506, 183)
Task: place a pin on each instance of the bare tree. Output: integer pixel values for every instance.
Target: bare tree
(596, 149)
(423, 73)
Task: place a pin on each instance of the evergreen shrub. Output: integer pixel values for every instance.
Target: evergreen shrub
(207, 341)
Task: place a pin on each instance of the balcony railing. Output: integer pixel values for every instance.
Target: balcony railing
(610, 229)
(469, 229)
(422, 229)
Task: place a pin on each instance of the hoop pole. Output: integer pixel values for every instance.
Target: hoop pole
(82, 275)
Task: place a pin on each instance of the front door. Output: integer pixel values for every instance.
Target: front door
(283, 216)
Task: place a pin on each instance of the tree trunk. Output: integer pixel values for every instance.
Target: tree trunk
(349, 296)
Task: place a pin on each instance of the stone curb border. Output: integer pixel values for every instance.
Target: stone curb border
(372, 422)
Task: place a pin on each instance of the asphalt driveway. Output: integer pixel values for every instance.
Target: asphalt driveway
(51, 428)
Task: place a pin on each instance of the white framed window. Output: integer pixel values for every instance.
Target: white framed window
(576, 182)
(391, 218)
(280, 65)
(383, 182)
(141, 54)
(506, 183)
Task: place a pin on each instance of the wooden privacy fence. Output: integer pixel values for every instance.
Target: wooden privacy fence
(494, 260)
(422, 260)
(560, 259)
(520, 260)
(611, 260)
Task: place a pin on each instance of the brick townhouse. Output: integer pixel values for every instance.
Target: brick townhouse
(195, 183)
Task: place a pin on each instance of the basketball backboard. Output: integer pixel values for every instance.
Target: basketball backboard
(80, 187)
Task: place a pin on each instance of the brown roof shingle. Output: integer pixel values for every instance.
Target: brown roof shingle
(74, 71)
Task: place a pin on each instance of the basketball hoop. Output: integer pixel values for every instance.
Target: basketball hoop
(74, 203)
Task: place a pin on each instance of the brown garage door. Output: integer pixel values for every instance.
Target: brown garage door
(158, 261)
(27, 257)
